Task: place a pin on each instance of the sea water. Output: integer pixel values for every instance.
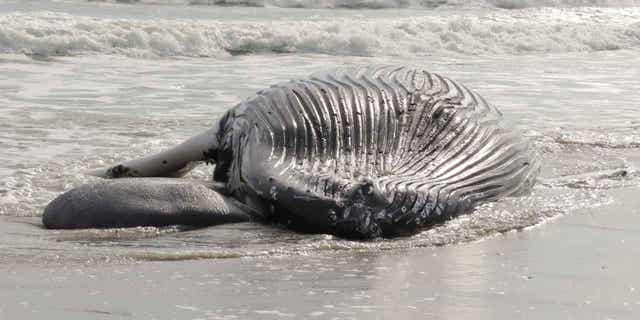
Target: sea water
(84, 85)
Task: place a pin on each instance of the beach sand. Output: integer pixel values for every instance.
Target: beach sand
(578, 266)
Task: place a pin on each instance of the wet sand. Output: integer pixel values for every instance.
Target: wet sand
(578, 266)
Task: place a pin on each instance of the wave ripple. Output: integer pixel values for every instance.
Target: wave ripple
(386, 4)
(500, 32)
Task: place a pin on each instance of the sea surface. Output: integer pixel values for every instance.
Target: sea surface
(86, 84)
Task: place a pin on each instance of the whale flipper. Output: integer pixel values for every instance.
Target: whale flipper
(174, 162)
(137, 202)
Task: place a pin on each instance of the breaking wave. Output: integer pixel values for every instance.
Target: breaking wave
(386, 4)
(505, 32)
(520, 4)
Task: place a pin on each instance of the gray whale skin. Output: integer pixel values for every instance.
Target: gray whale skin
(360, 152)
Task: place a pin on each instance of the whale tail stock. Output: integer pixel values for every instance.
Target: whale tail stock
(147, 196)
(138, 202)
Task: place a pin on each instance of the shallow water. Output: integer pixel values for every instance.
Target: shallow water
(74, 98)
(97, 110)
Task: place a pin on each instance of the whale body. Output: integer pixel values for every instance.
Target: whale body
(360, 152)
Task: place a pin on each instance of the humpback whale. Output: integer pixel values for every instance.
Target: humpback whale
(358, 152)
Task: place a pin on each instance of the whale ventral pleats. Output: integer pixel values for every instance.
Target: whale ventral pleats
(389, 150)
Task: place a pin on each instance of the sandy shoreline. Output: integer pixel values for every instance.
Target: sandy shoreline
(580, 266)
(85, 85)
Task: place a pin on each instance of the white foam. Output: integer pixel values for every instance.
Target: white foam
(328, 4)
(519, 4)
(498, 32)
(383, 4)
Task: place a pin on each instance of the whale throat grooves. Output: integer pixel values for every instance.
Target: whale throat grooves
(373, 151)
